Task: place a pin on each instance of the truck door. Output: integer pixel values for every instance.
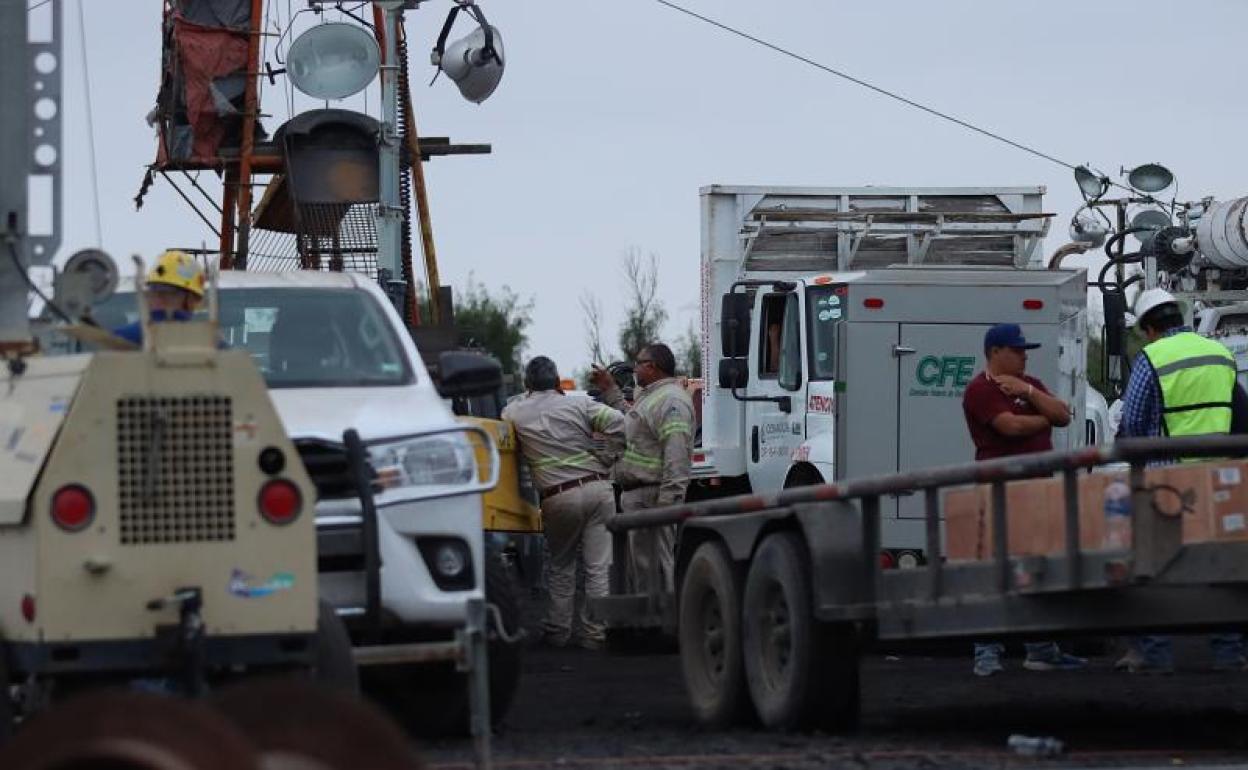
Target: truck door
(774, 431)
(937, 363)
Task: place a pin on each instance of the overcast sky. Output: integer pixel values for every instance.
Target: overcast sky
(611, 115)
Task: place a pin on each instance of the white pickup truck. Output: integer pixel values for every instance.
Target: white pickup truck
(336, 356)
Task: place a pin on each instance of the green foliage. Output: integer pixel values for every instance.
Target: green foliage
(495, 322)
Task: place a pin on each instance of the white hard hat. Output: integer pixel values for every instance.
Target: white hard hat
(1150, 299)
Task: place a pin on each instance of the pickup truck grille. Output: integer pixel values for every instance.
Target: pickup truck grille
(175, 464)
(326, 463)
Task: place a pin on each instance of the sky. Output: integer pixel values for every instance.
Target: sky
(611, 116)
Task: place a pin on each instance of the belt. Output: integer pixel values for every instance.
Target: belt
(638, 485)
(573, 484)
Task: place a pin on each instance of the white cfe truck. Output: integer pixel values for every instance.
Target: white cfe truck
(843, 325)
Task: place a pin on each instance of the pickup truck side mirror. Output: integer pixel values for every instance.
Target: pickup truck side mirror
(466, 374)
(734, 324)
(734, 373)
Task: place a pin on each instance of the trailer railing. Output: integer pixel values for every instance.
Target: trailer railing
(1156, 538)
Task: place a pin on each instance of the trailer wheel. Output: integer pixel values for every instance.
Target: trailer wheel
(801, 673)
(710, 638)
(334, 665)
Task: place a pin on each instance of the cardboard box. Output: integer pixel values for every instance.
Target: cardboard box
(1211, 497)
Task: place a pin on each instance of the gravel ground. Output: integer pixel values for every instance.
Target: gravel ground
(578, 709)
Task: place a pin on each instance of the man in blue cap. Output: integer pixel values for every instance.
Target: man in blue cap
(1009, 413)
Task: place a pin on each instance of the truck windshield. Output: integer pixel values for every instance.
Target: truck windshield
(300, 337)
(825, 308)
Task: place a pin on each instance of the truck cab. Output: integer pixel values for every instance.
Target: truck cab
(858, 369)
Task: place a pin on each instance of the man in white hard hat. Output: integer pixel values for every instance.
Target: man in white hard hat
(1181, 384)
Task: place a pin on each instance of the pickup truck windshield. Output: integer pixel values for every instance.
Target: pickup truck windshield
(300, 337)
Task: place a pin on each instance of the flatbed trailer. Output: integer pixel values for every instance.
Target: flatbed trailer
(776, 595)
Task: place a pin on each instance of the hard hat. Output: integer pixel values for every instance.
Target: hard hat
(1150, 299)
(179, 270)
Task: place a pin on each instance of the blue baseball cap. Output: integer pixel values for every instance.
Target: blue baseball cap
(1007, 336)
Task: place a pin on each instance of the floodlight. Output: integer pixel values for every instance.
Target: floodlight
(1092, 184)
(99, 270)
(1086, 229)
(1153, 219)
(1150, 178)
(474, 62)
(333, 61)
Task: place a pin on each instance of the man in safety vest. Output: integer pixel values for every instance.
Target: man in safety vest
(174, 289)
(556, 433)
(1181, 384)
(654, 470)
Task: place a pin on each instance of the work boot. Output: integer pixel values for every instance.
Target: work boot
(988, 659)
(1049, 657)
(1239, 663)
(1135, 663)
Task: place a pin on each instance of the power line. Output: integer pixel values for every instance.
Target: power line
(865, 84)
(86, 88)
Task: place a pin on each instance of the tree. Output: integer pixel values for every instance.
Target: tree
(689, 353)
(496, 323)
(592, 308)
(644, 314)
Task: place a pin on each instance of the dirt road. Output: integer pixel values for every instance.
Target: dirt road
(579, 709)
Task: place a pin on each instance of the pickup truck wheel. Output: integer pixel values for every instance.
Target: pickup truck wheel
(801, 673)
(710, 638)
(333, 664)
(432, 699)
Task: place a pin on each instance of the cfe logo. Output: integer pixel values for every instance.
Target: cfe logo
(945, 371)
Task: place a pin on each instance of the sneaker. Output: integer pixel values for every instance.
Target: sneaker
(1134, 663)
(1060, 661)
(1238, 663)
(987, 666)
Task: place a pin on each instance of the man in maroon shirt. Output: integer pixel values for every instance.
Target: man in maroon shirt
(1011, 413)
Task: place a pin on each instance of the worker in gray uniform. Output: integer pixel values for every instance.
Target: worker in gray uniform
(556, 433)
(654, 470)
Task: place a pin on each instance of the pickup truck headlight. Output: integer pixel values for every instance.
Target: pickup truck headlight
(440, 460)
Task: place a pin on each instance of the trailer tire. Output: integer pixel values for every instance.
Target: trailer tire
(709, 629)
(334, 664)
(801, 673)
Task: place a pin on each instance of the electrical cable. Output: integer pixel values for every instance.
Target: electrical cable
(875, 88)
(21, 270)
(86, 87)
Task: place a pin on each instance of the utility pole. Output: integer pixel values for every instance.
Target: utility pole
(389, 216)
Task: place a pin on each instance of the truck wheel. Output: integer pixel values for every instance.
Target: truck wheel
(432, 699)
(334, 665)
(710, 638)
(801, 673)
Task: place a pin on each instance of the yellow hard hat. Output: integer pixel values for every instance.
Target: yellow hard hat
(180, 270)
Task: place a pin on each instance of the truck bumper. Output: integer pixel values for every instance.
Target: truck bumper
(156, 654)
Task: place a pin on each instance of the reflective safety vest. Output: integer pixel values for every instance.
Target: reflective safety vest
(1196, 376)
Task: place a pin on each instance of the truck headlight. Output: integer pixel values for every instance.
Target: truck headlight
(443, 460)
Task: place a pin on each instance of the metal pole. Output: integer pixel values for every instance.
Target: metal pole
(251, 111)
(389, 216)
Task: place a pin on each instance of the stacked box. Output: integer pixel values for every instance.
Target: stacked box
(1211, 498)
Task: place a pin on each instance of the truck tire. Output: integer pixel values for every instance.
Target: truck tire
(333, 664)
(431, 700)
(801, 674)
(709, 629)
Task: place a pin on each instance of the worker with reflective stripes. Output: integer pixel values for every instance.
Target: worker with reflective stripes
(654, 470)
(1181, 384)
(571, 470)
